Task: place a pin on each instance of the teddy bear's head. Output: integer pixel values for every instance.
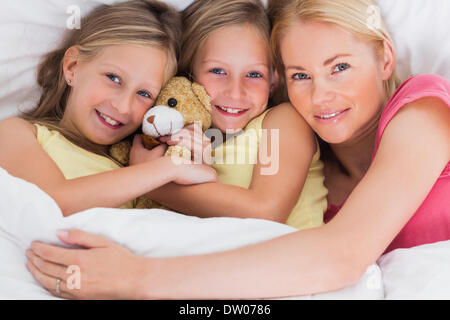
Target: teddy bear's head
(180, 103)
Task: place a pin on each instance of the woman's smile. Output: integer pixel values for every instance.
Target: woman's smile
(328, 117)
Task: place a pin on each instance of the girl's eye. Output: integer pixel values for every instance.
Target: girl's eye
(254, 74)
(217, 71)
(300, 76)
(145, 94)
(341, 67)
(113, 78)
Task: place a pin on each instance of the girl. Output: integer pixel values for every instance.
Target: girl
(96, 89)
(225, 48)
(389, 158)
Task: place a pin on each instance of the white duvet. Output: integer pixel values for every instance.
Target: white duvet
(28, 214)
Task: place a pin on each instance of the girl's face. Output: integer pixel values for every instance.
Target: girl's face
(334, 79)
(234, 67)
(111, 92)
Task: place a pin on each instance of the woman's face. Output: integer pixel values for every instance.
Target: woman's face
(111, 92)
(334, 80)
(233, 65)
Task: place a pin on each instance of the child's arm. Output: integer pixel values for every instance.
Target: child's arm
(269, 196)
(23, 157)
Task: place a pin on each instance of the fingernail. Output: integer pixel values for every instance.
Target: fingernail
(62, 233)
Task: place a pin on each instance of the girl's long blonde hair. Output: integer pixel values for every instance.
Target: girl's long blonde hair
(141, 22)
(360, 17)
(202, 17)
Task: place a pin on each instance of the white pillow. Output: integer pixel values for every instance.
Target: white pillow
(419, 29)
(30, 28)
(420, 272)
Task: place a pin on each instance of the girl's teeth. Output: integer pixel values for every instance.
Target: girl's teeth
(109, 120)
(234, 111)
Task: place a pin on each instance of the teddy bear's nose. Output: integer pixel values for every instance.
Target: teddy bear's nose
(151, 119)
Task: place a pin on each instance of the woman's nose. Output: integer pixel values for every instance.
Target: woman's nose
(322, 93)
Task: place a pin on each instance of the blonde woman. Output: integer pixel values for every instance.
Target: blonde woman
(96, 89)
(388, 163)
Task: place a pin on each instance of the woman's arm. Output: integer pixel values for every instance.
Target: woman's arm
(23, 157)
(327, 258)
(403, 172)
(263, 199)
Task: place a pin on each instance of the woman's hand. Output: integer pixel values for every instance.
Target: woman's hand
(140, 154)
(192, 138)
(103, 270)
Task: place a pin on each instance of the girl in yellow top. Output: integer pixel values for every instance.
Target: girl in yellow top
(225, 48)
(96, 89)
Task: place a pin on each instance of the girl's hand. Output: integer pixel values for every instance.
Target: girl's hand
(103, 270)
(194, 173)
(192, 138)
(140, 154)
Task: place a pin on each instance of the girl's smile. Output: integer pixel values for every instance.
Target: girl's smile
(230, 111)
(233, 65)
(119, 85)
(108, 121)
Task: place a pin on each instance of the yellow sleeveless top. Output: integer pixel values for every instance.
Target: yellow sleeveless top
(73, 161)
(234, 160)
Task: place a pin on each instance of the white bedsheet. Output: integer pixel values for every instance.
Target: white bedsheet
(28, 214)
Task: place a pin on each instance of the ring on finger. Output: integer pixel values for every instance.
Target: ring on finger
(58, 284)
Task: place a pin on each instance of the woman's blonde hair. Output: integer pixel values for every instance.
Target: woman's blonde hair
(202, 17)
(140, 22)
(360, 17)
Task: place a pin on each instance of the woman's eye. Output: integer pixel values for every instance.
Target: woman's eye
(217, 71)
(300, 76)
(254, 74)
(113, 78)
(341, 67)
(145, 94)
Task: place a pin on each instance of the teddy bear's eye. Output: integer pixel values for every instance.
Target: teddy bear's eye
(172, 102)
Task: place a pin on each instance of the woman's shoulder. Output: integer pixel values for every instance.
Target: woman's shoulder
(418, 86)
(425, 97)
(412, 92)
(418, 81)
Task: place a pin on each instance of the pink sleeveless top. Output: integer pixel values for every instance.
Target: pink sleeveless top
(431, 222)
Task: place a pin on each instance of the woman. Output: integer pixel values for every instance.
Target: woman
(388, 162)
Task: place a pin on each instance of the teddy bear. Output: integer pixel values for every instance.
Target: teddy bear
(181, 102)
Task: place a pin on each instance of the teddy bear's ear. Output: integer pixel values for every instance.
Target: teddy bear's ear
(201, 94)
